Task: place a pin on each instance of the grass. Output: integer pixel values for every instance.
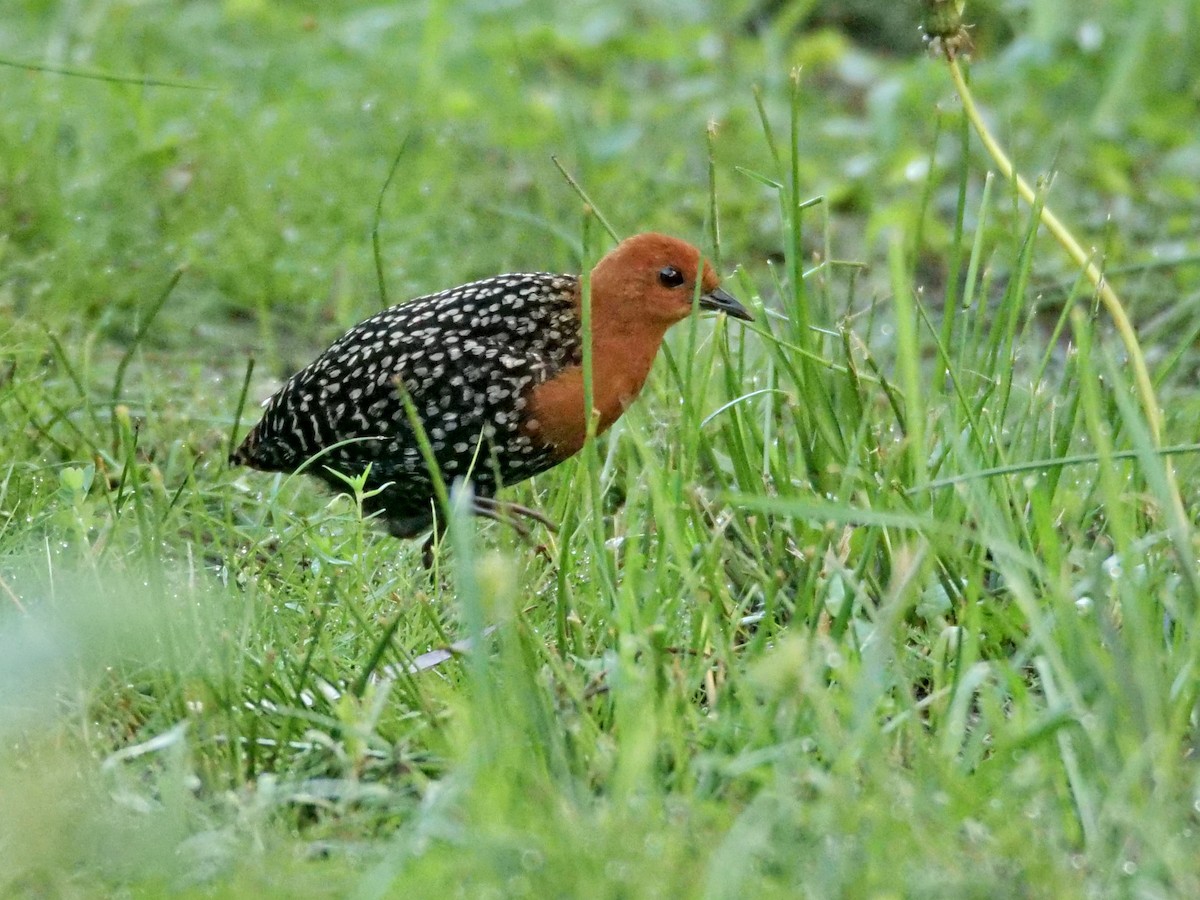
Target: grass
(882, 594)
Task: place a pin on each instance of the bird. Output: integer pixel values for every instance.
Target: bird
(493, 371)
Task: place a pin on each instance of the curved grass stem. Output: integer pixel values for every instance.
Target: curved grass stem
(1112, 303)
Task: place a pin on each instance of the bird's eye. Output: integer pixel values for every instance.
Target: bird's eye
(669, 276)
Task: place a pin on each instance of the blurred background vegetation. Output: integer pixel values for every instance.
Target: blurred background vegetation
(263, 181)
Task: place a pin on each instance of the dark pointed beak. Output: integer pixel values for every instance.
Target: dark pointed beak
(720, 301)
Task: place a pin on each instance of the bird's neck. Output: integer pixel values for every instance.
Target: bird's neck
(620, 363)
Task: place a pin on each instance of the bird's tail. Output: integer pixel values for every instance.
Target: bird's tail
(245, 454)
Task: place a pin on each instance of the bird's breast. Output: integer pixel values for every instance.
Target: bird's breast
(555, 414)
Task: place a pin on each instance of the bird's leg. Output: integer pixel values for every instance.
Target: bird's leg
(502, 511)
(507, 512)
(435, 538)
(488, 512)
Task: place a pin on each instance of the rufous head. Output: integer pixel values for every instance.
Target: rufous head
(652, 278)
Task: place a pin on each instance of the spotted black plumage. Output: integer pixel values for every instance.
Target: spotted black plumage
(467, 357)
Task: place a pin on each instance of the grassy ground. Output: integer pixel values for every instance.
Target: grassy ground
(891, 593)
